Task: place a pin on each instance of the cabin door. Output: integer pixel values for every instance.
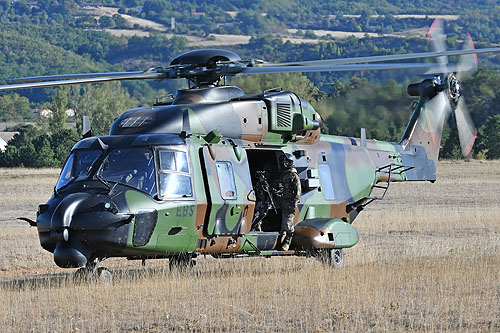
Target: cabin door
(231, 199)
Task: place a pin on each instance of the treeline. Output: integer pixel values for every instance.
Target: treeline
(48, 143)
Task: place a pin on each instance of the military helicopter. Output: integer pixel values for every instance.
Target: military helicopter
(176, 180)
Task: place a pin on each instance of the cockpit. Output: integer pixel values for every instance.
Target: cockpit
(159, 171)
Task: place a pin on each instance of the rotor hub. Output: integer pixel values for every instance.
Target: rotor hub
(453, 88)
(208, 60)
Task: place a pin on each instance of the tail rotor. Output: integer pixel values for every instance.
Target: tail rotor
(466, 66)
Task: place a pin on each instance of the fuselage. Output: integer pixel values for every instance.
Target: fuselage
(179, 178)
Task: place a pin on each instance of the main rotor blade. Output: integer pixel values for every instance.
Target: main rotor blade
(421, 67)
(393, 57)
(86, 78)
(68, 77)
(438, 42)
(466, 130)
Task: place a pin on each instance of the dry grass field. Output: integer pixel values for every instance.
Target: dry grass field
(428, 259)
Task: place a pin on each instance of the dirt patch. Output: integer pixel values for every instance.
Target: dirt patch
(132, 20)
(343, 34)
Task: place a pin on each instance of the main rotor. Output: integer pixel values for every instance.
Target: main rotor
(208, 67)
(204, 67)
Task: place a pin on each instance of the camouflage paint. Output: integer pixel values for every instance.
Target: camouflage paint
(341, 173)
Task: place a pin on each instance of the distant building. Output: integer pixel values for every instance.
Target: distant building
(46, 113)
(70, 113)
(5, 138)
(3, 144)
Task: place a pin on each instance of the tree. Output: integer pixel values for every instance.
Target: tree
(29, 148)
(14, 107)
(102, 103)
(61, 143)
(58, 107)
(489, 136)
(107, 22)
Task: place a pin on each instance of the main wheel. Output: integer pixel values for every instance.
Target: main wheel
(104, 275)
(337, 258)
(332, 257)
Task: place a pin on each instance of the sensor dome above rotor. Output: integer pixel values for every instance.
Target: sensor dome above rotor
(205, 57)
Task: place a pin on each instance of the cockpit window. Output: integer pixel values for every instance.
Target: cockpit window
(134, 167)
(130, 166)
(174, 161)
(77, 166)
(173, 174)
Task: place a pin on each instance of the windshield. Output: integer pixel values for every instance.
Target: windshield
(130, 166)
(77, 166)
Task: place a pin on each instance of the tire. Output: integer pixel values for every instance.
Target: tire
(331, 257)
(337, 258)
(104, 276)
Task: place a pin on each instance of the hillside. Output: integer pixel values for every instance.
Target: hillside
(44, 38)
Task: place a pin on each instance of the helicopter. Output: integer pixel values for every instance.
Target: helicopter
(176, 179)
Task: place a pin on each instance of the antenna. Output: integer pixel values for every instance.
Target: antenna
(363, 137)
(87, 132)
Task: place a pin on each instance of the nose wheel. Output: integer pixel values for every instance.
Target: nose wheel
(92, 272)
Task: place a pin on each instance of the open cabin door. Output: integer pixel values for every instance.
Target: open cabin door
(231, 199)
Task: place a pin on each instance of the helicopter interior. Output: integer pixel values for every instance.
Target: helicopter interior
(267, 160)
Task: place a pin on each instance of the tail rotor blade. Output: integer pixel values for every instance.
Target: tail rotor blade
(467, 64)
(466, 129)
(438, 43)
(437, 111)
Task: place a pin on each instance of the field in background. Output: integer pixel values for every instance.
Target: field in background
(428, 259)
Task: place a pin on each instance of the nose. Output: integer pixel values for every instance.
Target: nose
(67, 255)
(63, 214)
(82, 226)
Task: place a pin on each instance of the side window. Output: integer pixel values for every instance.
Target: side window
(173, 174)
(227, 184)
(326, 182)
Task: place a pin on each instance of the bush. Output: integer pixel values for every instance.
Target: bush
(35, 149)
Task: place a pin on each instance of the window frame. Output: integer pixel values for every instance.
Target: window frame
(157, 152)
(74, 153)
(232, 181)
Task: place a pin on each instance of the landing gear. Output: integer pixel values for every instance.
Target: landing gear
(181, 262)
(92, 272)
(331, 257)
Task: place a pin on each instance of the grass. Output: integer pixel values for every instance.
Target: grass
(428, 260)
